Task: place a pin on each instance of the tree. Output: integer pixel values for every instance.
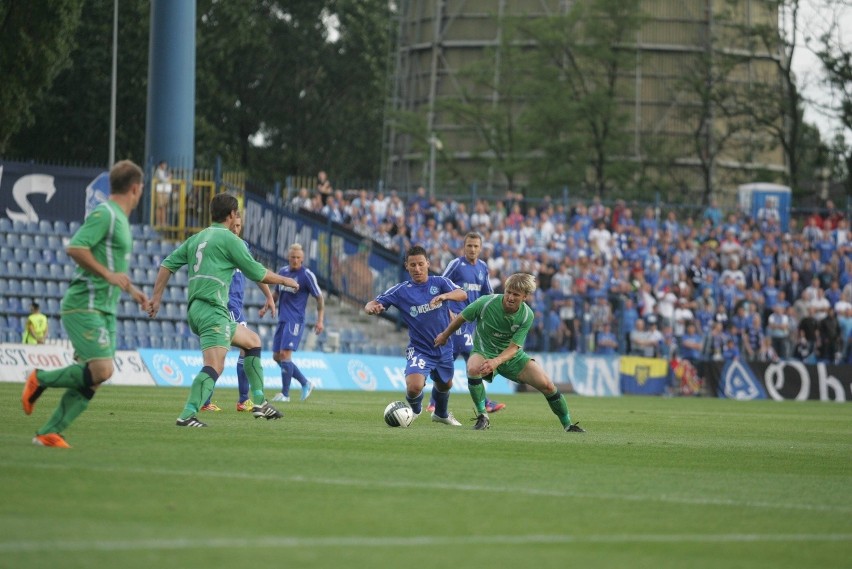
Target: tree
(577, 86)
(775, 102)
(836, 58)
(36, 41)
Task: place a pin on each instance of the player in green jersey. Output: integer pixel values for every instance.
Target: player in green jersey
(211, 257)
(101, 248)
(502, 324)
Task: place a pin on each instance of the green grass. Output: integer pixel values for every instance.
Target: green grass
(654, 483)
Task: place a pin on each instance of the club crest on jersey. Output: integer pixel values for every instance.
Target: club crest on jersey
(433, 290)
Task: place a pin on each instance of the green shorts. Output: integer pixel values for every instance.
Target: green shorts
(512, 368)
(212, 324)
(92, 334)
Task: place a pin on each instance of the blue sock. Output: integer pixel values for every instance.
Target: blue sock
(442, 401)
(286, 377)
(242, 379)
(298, 375)
(416, 403)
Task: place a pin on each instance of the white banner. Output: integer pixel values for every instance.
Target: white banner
(17, 360)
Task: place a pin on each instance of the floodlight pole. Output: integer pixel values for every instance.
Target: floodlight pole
(114, 83)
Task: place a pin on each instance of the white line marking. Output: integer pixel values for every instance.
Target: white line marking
(421, 485)
(418, 541)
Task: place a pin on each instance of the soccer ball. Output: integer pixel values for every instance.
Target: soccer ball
(398, 414)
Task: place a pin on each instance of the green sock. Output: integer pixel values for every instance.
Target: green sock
(73, 403)
(202, 387)
(254, 372)
(559, 407)
(477, 393)
(72, 377)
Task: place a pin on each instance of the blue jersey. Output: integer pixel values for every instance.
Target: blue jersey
(424, 323)
(292, 304)
(237, 290)
(472, 278)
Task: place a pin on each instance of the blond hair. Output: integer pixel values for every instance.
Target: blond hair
(521, 282)
(296, 247)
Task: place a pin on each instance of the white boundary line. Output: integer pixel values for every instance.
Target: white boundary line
(453, 487)
(418, 541)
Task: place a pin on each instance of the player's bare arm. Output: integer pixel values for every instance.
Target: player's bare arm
(444, 336)
(87, 261)
(373, 308)
(269, 305)
(491, 365)
(275, 279)
(163, 277)
(320, 314)
(458, 295)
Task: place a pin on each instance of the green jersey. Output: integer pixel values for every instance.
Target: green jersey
(495, 329)
(211, 257)
(106, 233)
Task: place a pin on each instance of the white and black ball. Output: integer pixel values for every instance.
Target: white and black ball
(398, 414)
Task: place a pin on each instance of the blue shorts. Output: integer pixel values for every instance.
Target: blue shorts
(237, 315)
(429, 366)
(463, 339)
(288, 336)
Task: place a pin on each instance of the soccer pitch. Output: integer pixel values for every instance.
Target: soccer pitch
(684, 483)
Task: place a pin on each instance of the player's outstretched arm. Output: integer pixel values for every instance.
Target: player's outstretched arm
(271, 278)
(444, 336)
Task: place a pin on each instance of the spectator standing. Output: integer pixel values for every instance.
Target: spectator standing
(35, 330)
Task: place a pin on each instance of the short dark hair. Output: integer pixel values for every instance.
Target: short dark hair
(222, 205)
(123, 175)
(415, 250)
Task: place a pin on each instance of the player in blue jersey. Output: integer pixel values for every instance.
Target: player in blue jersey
(471, 274)
(423, 302)
(291, 320)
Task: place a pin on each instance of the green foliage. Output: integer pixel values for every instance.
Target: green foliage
(662, 483)
(36, 40)
(72, 119)
(575, 81)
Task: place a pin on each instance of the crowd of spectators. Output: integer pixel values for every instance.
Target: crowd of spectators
(710, 286)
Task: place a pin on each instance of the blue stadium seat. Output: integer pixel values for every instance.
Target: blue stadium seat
(151, 275)
(4, 305)
(19, 226)
(13, 286)
(143, 341)
(136, 231)
(53, 306)
(138, 277)
(38, 255)
(60, 228)
(13, 305)
(68, 270)
(11, 269)
(168, 328)
(31, 227)
(5, 225)
(54, 242)
(73, 227)
(26, 240)
(53, 290)
(180, 278)
(13, 241)
(14, 323)
(56, 271)
(20, 254)
(6, 254)
(45, 227)
(53, 327)
(39, 288)
(42, 270)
